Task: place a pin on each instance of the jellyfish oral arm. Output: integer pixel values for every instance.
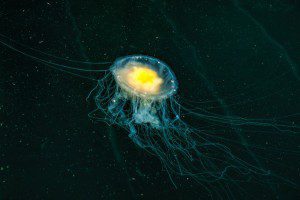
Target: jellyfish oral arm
(144, 113)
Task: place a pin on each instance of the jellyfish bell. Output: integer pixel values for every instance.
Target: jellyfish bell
(144, 77)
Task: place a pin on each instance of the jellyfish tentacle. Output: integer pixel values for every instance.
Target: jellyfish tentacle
(3, 38)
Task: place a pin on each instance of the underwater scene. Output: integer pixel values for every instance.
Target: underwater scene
(150, 99)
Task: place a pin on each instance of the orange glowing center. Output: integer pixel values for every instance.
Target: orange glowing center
(141, 78)
(142, 75)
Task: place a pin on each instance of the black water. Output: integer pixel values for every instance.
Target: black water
(239, 58)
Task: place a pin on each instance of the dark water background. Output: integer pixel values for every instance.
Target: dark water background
(241, 58)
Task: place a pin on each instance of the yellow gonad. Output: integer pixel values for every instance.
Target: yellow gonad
(140, 78)
(144, 79)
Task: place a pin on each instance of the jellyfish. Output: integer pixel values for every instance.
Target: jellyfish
(139, 97)
(137, 94)
(140, 94)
